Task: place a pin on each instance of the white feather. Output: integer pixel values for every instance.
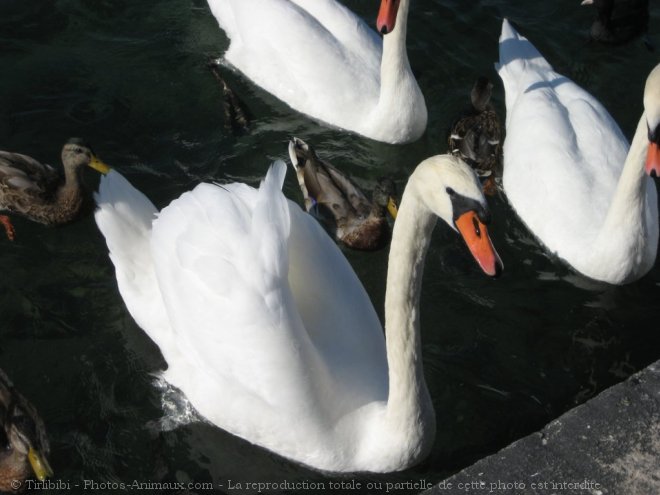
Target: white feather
(564, 162)
(324, 61)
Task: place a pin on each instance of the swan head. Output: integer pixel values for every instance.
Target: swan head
(652, 109)
(387, 16)
(450, 189)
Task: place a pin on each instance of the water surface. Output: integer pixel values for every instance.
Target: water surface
(502, 358)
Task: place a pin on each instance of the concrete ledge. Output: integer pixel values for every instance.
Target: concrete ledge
(608, 446)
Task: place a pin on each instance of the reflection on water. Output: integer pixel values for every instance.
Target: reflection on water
(502, 357)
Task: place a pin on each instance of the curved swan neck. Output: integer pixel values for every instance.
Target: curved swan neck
(408, 399)
(629, 199)
(394, 64)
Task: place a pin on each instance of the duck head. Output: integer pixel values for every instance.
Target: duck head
(481, 92)
(23, 442)
(384, 196)
(76, 153)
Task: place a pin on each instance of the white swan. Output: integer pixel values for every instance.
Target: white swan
(324, 61)
(266, 328)
(569, 172)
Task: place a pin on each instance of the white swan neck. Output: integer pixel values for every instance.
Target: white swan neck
(628, 203)
(408, 402)
(395, 65)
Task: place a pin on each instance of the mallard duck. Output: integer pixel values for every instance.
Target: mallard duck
(23, 443)
(39, 192)
(619, 21)
(340, 206)
(476, 135)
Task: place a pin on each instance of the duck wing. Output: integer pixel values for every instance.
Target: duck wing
(21, 174)
(476, 139)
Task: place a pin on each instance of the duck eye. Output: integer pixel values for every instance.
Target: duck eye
(78, 150)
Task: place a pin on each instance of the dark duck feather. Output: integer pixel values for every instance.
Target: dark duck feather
(23, 442)
(39, 192)
(476, 136)
(237, 118)
(619, 21)
(339, 205)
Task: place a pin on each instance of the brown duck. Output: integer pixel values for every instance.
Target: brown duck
(339, 205)
(23, 443)
(476, 136)
(41, 193)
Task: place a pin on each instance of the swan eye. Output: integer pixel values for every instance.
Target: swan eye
(477, 229)
(451, 192)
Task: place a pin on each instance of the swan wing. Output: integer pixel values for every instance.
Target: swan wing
(260, 318)
(257, 292)
(563, 152)
(124, 217)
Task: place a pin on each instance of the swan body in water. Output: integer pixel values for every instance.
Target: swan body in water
(324, 61)
(570, 173)
(265, 326)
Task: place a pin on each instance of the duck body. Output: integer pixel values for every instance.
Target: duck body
(266, 328)
(619, 21)
(341, 207)
(324, 61)
(570, 173)
(476, 135)
(39, 192)
(23, 441)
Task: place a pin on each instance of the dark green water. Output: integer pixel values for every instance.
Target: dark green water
(502, 357)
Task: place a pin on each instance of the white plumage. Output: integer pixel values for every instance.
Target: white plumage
(266, 328)
(569, 171)
(324, 61)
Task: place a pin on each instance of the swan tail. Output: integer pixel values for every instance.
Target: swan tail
(271, 221)
(517, 57)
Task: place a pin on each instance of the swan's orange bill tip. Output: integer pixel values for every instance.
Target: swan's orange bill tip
(475, 234)
(653, 160)
(387, 16)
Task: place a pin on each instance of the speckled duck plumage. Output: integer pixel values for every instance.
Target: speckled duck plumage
(23, 440)
(340, 206)
(476, 136)
(41, 193)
